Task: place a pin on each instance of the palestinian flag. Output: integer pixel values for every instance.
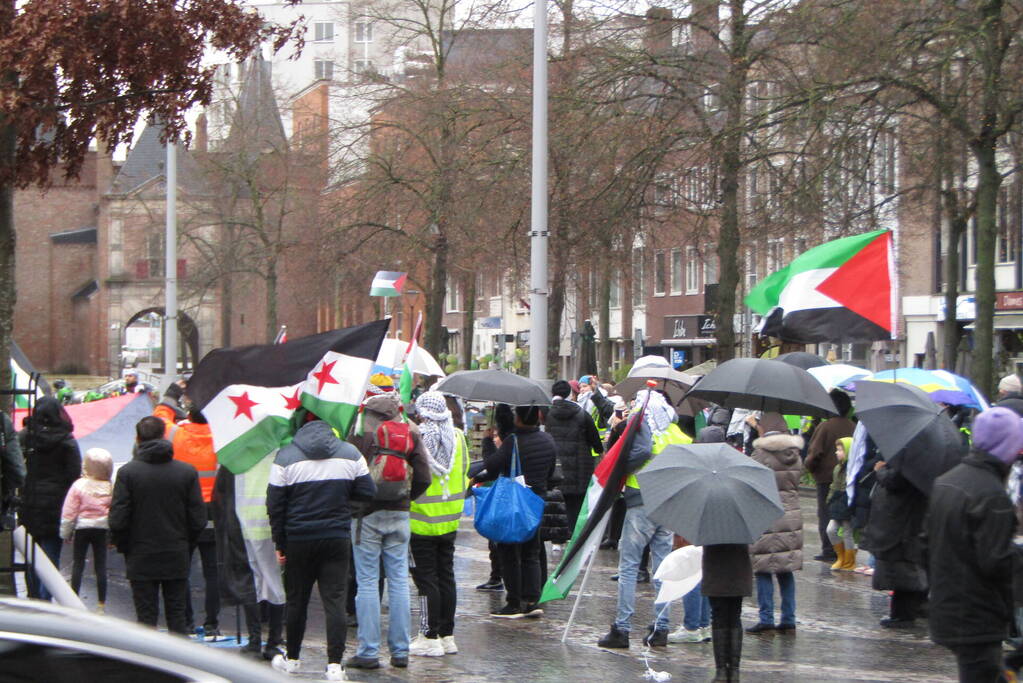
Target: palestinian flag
(21, 369)
(387, 283)
(841, 291)
(249, 395)
(606, 483)
(406, 382)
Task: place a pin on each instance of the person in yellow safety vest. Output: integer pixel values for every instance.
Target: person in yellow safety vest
(193, 444)
(593, 401)
(638, 531)
(434, 518)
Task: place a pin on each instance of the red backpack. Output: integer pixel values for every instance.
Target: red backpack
(389, 461)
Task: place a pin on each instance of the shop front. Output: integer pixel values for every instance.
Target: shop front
(689, 340)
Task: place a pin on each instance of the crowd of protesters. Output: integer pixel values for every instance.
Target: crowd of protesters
(382, 506)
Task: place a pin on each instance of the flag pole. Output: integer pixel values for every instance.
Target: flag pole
(586, 576)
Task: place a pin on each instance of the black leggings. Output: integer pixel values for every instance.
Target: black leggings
(97, 539)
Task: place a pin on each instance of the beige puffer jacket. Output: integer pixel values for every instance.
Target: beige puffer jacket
(780, 549)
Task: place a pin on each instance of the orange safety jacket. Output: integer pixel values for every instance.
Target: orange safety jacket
(193, 443)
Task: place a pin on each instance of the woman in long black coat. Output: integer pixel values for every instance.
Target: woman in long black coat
(53, 463)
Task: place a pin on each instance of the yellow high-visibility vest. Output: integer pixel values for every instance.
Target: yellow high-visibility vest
(433, 514)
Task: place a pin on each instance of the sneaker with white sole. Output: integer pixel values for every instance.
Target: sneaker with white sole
(335, 672)
(426, 647)
(705, 633)
(285, 665)
(684, 635)
(449, 645)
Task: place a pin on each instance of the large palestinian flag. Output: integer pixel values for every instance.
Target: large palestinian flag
(606, 483)
(841, 291)
(249, 395)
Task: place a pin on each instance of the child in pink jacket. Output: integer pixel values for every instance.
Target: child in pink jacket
(84, 518)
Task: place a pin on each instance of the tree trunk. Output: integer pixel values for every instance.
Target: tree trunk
(8, 286)
(469, 320)
(628, 286)
(226, 307)
(435, 297)
(555, 311)
(988, 182)
(271, 302)
(732, 94)
(604, 333)
(956, 226)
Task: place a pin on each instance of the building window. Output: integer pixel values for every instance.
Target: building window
(798, 246)
(774, 255)
(660, 276)
(453, 297)
(323, 31)
(664, 191)
(616, 289)
(710, 265)
(638, 285)
(323, 69)
(887, 149)
(363, 66)
(676, 271)
(692, 271)
(594, 285)
(363, 31)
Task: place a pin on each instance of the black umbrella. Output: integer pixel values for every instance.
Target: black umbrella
(802, 359)
(765, 385)
(499, 386)
(710, 494)
(910, 430)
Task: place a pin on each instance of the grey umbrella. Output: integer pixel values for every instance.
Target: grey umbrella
(765, 385)
(499, 386)
(710, 494)
(911, 431)
(802, 359)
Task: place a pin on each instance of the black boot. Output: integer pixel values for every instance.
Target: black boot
(735, 653)
(615, 639)
(719, 640)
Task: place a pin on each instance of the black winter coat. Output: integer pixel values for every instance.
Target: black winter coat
(727, 571)
(970, 525)
(537, 454)
(554, 525)
(53, 463)
(156, 513)
(866, 479)
(576, 438)
(893, 536)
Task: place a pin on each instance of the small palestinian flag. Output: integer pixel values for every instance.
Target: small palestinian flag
(250, 394)
(840, 291)
(407, 381)
(387, 283)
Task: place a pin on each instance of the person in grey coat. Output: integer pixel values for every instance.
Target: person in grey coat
(779, 551)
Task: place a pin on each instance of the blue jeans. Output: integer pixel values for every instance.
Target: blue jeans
(49, 546)
(385, 533)
(765, 597)
(637, 532)
(697, 608)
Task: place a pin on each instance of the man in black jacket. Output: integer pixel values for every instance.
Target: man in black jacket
(156, 515)
(520, 562)
(578, 447)
(970, 525)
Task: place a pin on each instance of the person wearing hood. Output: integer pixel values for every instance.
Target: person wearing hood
(779, 551)
(156, 514)
(659, 431)
(969, 530)
(382, 532)
(578, 444)
(53, 463)
(434, 519)
(312, 483)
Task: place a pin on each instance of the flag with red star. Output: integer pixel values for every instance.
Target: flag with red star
(250, 394)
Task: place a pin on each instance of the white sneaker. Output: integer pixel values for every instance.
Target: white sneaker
(426, 647)
(448, 642)
(684, 635)
(285, 665)
(335, 672)
(705, 634)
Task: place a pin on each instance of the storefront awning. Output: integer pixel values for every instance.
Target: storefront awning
(1012, 321)
(698, 341)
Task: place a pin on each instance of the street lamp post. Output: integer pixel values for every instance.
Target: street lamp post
(538, 218)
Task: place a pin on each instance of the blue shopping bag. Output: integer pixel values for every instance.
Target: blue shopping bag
(508, 512)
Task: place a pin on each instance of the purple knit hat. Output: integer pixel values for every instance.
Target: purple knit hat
(999, 431)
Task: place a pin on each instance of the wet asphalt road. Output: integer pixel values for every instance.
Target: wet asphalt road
(838, 638)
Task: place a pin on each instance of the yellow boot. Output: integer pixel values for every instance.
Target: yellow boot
(849, 561)
(840, 551)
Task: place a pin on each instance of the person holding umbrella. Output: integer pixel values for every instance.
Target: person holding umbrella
(779, 552)
(969, 529)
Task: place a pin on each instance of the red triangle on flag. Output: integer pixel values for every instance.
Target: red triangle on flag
(863, 284)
